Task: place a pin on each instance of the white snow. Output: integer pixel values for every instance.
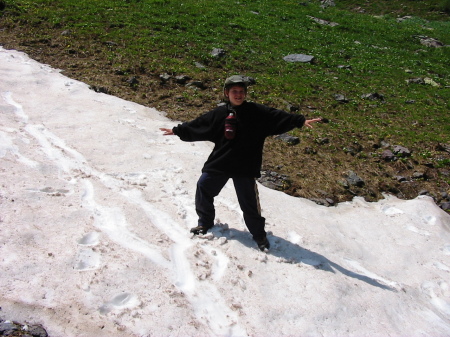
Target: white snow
(95, 210)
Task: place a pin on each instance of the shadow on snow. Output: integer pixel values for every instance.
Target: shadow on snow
(293, 253)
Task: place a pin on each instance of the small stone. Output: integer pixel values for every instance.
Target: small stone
(291, 140)
(165, 77)
(354, 180)
(330, 201)
(298, 58)
(197, 84)
(445, 206)
(417, 80)
(182, 79)
(387, 155)
(431, 82)
(199, 65)
(373, 96)
(401, 151)
(430, 42)
(218, 52)
(37, 331)
(341, 98)
(6, 328)
(133, 81)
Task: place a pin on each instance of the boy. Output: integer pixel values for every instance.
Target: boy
(237, 154)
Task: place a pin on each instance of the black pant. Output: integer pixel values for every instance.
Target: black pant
(209, 186)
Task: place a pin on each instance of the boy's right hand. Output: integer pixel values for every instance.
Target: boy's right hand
(167, 132)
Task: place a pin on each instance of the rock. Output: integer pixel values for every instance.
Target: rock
(373, 96)
(292, 107)
(444, 196)
(268, 184)
(323, 141)
(8, 328)
(445, 172)
(387, 155)
(330, 201)
(250, 80)
(443, 147)
(417, 80)
(291, 140)
(341, 98)
(354, 180)
(102, 90)
(418, 175)
(218, 52)
(407, 17)
(182, 79)
(164, 78)
(199, 65)
(298, 58)
(325, 201)
(275, 181)
(401, 151)
(133, 81)
(37, 331)
(327, 3)
(445, 206)
(310, 150)
(343, 183)
(197, 84)
(353, 149)
(431, 82)
(321, 202)
(384, 144)
(111, 43)
(323, 22)
(430, 42)
(400, 178)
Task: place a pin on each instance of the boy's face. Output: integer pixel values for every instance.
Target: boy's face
(236, 94)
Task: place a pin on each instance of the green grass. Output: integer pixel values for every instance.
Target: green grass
(169, 36)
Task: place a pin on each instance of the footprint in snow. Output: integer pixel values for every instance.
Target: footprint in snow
(87, 258)
(120, 302)
(90, 239)
(438, 295)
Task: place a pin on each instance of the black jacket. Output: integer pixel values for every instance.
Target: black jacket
(243, 155)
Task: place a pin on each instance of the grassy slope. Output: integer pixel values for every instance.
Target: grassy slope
(107, 42)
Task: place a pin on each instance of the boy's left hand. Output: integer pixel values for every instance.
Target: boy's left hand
(309, 122)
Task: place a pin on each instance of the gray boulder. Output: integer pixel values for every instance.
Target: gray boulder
(291, 140)
(298, 58)
(354, 180)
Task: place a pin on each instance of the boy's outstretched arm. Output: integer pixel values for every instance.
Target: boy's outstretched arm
(167, 132)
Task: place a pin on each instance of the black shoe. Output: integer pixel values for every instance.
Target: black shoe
(200, 230)
(262, 243)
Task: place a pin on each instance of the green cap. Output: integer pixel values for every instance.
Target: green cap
(237, 79)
